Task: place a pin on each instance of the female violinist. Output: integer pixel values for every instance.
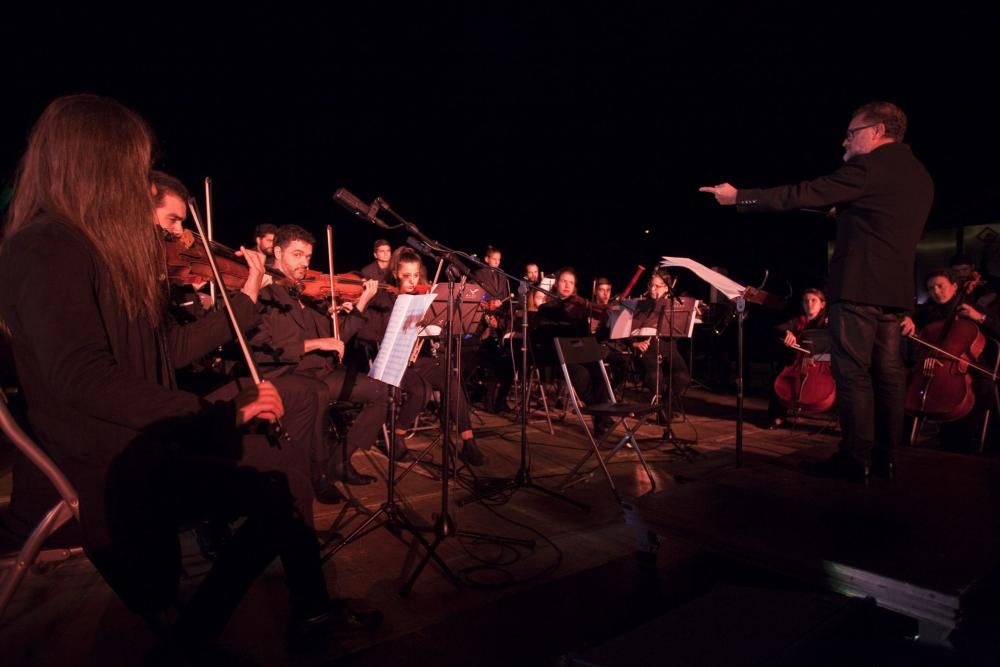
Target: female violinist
(803, 331)
(947, 302)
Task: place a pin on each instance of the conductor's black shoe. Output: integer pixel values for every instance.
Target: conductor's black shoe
(325, 492)
(309, 631)
(839, 466)
(883, 466)
(348, 474)
(471, 454)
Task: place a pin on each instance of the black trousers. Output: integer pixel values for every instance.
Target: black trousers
(653, 372)
(419, 382)
(153, 489)
(871, 378)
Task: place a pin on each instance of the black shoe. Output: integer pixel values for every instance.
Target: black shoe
(883, 465)
(348, 474)
(325, 492)
(310, 630)
(471, 454)
(839, 466)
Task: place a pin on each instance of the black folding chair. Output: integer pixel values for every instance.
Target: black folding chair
(68, 507)
(585, 351)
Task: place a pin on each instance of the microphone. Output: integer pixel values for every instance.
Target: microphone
(449, 257)
(343, 197)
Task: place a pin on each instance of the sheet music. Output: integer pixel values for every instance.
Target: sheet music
(620, 318)
(724, 284)
(400, 335)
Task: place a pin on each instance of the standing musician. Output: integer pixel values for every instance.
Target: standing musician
(793, 334)
(95, 359)
(379, 269)
(492, 353)
(945, 298)
(426, 375)
(294, 344)
(263, 236)
(882, 195)
(654, 313)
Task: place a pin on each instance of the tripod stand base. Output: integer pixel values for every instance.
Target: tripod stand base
(522, 480)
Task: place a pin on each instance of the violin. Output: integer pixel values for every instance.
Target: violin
(187, 263)
(316, 285)
(940, 386)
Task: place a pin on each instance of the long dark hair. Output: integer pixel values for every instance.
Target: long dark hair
(87, 164)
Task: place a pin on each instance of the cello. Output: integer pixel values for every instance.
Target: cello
(940, 385)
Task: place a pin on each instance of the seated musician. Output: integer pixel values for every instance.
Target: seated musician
(294, 346)
(944, 298)
(379, 269)
(567, 317)
(793, 333)
(263, 237)
(170, 197)
(426, 374)
(94, 360)
(492, 354)
(963, 267)
(654, 314)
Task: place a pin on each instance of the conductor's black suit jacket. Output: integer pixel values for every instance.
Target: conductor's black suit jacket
(882, 200)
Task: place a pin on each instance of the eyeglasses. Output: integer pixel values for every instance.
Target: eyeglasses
(851, 131)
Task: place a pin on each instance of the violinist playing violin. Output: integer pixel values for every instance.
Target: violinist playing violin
(83, 304)
(796, 332)
(947, 298)
(294, 344)
(567, 316)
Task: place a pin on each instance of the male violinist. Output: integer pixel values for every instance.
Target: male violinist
(294, 344)
(882, 196)
(945, 298)
(654, 313)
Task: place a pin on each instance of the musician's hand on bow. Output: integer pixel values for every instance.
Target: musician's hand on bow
(641, 345)
(260, 401)
(324, 345)
(906, 326)
(790, 339)
(724, 193)
(368, 292)
(256, 273)
(344, 307)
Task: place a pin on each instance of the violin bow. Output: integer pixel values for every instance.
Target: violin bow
(281, 435)
(208, 225)
(333, 289)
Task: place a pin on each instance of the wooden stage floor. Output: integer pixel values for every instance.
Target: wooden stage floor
(581, 585)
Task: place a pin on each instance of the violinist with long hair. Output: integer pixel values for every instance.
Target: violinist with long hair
(84, 306)
(803, 328)
(947, 299)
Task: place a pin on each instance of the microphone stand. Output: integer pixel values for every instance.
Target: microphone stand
(522, 478)
(680, 445)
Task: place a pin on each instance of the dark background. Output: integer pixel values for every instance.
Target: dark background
(562, 134)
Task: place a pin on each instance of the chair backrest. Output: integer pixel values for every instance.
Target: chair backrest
(578, 350)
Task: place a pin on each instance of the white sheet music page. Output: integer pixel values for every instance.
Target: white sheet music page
(400, 335)
(724, 284)
(620, 318)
